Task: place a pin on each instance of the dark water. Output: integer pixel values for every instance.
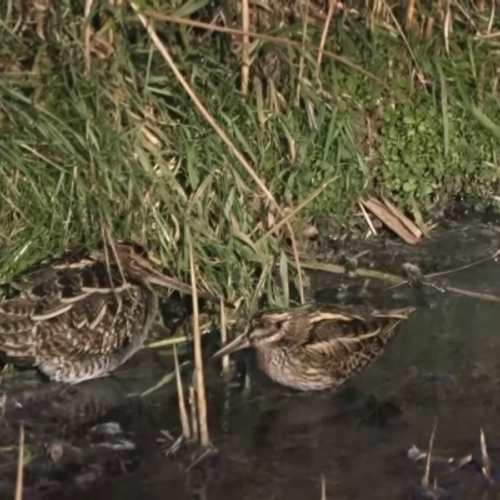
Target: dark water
(275, 444)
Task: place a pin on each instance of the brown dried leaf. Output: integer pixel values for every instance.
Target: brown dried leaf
(402, 217)
(390, 220)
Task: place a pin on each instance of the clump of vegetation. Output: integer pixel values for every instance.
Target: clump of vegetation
(96, 128)
(416, 162)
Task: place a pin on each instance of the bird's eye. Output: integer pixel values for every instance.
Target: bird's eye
(279, 325)
(140, 250)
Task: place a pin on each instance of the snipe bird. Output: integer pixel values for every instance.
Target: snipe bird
(312, 348)
(80, 317)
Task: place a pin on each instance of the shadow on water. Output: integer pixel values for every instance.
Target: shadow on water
(275, 444)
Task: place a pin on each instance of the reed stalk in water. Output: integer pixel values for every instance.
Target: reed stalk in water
(198, 361)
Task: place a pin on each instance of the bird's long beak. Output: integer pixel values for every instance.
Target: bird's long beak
(240, 342)
(157, 278)
(160, 279)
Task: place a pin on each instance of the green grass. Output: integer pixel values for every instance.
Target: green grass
(126, 147)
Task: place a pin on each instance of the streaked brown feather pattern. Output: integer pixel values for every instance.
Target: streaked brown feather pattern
(318, 347)
(81, 318)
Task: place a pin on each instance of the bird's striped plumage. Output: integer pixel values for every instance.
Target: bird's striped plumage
(318, 347)
(81, 317)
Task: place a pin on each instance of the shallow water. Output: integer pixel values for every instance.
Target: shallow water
(276, 444)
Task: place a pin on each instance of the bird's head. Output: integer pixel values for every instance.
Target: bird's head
(264, 329)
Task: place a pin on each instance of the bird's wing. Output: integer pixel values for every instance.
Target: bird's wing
(336, 333)
(64, 308)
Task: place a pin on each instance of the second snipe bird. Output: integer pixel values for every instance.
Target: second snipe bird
(312, 348)
(83, 316)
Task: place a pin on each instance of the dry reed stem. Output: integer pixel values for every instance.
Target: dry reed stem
(197, 460)
(485, 458)
(186, 430)
(201, 108)
(429, 28)
(360, 271)
(324, 34)
(488, 36)
(245, 48)
(225, 138)
(492, 18)
(297, 209)
(266, 268)
(447, 27)
(425, 478)
(407, 223)
(323, 487)
(198, 361)
(268, 38)
(301, 59)
(419, 220)
(367, 219)
(389, 219)
(464, 13)
(376, 7)
(401, 34)
(87, 35)
(20, 465)
(109, 240)
(475, 295)
(223, 336)
(410, 14)
(194, 412)
(465, 266)
(391, 278)
(166, 342)
(295, 250)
